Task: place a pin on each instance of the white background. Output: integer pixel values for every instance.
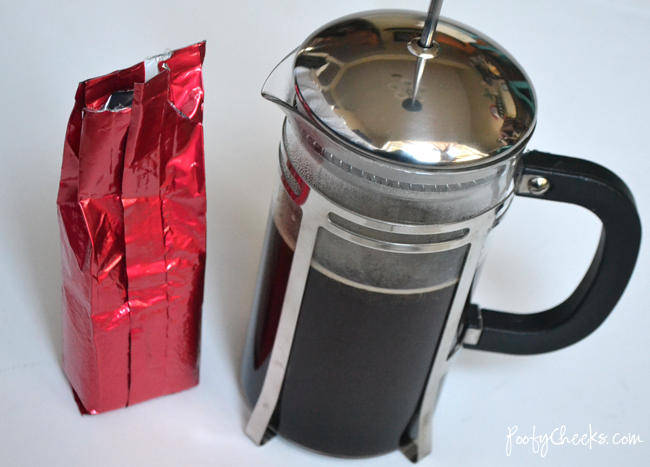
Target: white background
(588, 60)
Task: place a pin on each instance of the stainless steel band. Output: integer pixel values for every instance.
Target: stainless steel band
(268, 398)
(421, 446)
(316, 212)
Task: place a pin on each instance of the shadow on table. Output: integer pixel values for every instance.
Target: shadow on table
(235, 229)
(33, 189)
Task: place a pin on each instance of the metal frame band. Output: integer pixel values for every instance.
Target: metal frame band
(315, 216)
(421, 446)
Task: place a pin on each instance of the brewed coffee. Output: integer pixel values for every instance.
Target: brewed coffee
(354, 379)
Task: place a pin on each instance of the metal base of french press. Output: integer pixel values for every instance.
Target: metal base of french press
(269, 434)
(316, 215)
(411, 452)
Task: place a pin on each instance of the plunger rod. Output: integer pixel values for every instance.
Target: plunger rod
(430, 24)
(426, 41)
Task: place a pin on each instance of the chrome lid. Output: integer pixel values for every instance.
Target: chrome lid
(475, 104)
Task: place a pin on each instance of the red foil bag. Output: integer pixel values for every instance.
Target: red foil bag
(131, 209)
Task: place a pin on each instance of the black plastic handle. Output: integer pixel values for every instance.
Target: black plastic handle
(591, 186)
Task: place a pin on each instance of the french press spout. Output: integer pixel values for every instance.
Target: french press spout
(402, 148)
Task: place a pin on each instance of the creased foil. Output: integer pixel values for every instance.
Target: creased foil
(131, 208)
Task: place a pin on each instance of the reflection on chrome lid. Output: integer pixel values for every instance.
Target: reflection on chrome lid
(475, 103)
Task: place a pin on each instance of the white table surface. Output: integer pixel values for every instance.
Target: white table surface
(588, 60)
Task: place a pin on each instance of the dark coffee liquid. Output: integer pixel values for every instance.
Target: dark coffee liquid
(359, 361)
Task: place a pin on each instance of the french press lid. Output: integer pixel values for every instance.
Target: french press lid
(462, 101)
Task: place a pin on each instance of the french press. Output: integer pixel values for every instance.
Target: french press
(402, 148)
